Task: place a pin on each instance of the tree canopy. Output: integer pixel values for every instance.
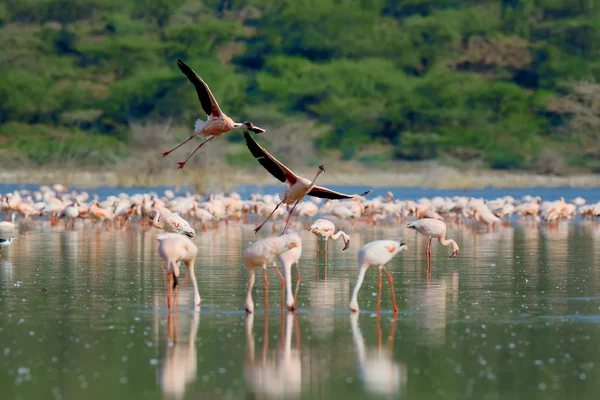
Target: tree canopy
(501, 82)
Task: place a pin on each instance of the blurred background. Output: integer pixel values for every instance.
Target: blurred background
(502, 84)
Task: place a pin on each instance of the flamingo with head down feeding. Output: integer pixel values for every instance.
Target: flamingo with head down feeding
(298, 186)
(376, 254)
(433, 228)
(324, 228)
(174, 249)
(261, 254)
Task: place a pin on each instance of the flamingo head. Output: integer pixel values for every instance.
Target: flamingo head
(250, 126)
(322, 168)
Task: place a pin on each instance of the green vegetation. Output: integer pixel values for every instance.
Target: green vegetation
(507, 83)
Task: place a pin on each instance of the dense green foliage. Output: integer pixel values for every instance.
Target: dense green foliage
(499, 81)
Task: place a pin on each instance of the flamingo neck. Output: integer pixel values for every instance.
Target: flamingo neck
(314, 181)
(342, 234)
(155, 221)
(445, 242)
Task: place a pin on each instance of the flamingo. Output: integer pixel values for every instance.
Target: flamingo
(298, 186)
(217, 123)
(324, 228)
(173, 249)
(433, 228)
(8, 226)
(172, 223)
(377, 253)
(260, 254)
(286, 259)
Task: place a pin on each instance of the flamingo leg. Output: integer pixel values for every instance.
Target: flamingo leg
(281, 278)
(266, 279)
(391, 281)
(182, 164)
(166, 153)
(290, 216)
(272, 212)
(297, 284)
(169, 292)
(379, 286)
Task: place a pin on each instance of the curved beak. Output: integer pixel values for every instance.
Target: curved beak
(347, 244)
(257, 130)
(454, 253)
(190, 234)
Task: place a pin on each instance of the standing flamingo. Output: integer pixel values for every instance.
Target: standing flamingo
(217, 123)
(286, 259)
(173, 249)
(298, 187)
(260, 254)
(171, 222)
(324, 228)
(433, 228)
(377, 253)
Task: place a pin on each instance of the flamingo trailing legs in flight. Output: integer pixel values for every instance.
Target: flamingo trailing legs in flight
(217, 123)
(298, 186)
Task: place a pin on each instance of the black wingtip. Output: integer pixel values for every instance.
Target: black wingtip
(367, 192)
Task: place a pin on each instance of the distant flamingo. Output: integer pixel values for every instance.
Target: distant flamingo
(217, 123)
(173, 249)
(261, 254)
(376, 254)
(7, 226)
(433, 228)
(298, 187)
(324, 228)
(27, 211)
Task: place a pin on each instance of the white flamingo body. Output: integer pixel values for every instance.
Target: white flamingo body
(325, 229)
(376, 254)
(434, 229)
(261, 254)
(174, 249)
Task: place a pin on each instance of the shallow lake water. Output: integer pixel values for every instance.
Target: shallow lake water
(515, 315)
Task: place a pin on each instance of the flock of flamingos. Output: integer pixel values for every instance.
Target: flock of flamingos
(176, 216)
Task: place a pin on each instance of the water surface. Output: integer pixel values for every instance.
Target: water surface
(515, 315)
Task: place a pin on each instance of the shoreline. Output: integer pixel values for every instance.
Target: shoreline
(225, 178)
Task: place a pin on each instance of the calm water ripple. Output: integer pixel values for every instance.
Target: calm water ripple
(515, 316)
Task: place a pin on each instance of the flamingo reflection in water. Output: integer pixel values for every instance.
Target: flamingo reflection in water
(179, 365)
(376, 368)
(275, 376)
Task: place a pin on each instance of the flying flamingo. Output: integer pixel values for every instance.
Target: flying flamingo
(324, 228)
(286, 259)
(433, 228)
(217, 123)
(260, 254)
(173, 249)
(298, 186)
(377, 253)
